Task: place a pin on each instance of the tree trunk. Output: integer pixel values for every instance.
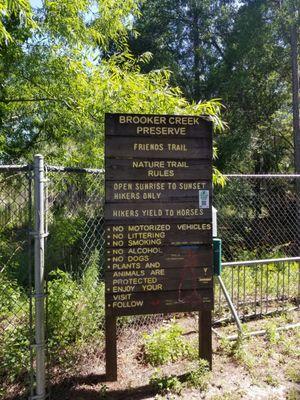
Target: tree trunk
(196, 50)
(295, 89)
(296, 126)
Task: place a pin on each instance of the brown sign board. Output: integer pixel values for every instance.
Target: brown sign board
(158, 221)
(158, 170)
(159, 302)
(158, 213)
(162, 275)
(145, 258)
(158, 279)
(154, 148)
(133, 212)
(158, 234)
(137, 191)
(174, 126)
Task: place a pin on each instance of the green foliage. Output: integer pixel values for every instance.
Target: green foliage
(272, 335)
(165, 344)
(218, 178)
(63, 244)
(14, 351)
(17, 10)
(292, 373)
(75, 309)
(166, 384)
(271, 380)
(238, 351)
(12, 301)
(88, 22)
(267, 275)
(231, 395)
(292, 394)
(199, 376)
(14, 328)
(61, 78)
(103, 391)
(238, 51)
(75, 319)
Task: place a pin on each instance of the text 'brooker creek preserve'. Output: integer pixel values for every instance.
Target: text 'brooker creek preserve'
(158, 214)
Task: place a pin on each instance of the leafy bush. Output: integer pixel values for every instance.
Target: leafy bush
(165, 383)
(14, 352)
(165, 344)
(75, 309)
(200, 375)
(14, 329)
(75, 319)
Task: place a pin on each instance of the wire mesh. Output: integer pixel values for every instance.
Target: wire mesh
(257, 218)
(15, 281)
(75, 266)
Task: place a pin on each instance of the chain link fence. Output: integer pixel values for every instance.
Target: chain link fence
(15, 279)
(257, 219)
(258, 216)
(75, 268)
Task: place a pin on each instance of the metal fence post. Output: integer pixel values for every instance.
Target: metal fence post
(39, 278)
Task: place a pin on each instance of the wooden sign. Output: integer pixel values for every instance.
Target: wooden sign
(158, 302)
(158, 170)
(171, 126)
(133, 212)
(178, 148)
(149, 237)
(158, 219)
(122, 191)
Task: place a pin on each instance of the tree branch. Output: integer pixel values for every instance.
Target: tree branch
(22, 99)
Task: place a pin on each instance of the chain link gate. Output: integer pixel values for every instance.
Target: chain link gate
(256, 219)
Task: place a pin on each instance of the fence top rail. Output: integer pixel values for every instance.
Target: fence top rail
(266, 261)
(57, 168)
(16, 168)
(262, 176)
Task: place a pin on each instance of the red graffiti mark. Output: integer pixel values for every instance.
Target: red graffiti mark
(191, 261)
(155, 302)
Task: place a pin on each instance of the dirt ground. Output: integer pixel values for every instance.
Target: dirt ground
(261, 367)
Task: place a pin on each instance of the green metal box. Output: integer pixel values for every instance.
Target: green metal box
(217, 256)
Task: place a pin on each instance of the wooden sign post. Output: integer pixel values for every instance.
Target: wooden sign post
(158, 221)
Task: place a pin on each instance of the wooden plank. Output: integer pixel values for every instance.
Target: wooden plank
(133, 124)
(205, 336)
(157, 234)
(133, 212)
(111, 348)
(127, 191)
(159, 302)
(142, 258)
(149, 148)
(158, 280)
(185, 272)
(157, 169)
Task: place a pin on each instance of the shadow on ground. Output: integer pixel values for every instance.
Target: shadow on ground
(67, 390)
(73, 389)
